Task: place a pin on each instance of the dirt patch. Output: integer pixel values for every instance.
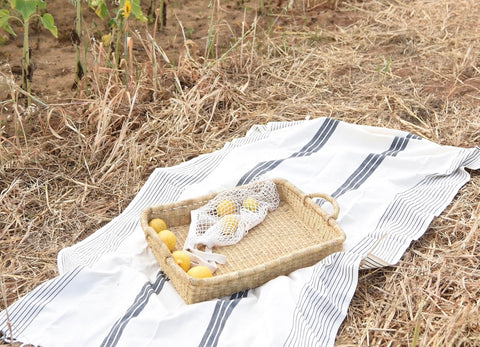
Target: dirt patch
(54, 59)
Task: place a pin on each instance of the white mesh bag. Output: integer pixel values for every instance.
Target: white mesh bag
(227, 218)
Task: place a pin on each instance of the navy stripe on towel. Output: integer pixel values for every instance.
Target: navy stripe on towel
(23, 312)
(314, 145)
(324, 300)
(222, 311)
(370, 164)
(409, 215)
(134, 310)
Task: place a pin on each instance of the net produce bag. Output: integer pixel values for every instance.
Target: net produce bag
(227, 218)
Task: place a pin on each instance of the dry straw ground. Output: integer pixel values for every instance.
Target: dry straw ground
(412, 65)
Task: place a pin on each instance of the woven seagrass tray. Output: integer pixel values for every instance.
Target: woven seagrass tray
(297, 234)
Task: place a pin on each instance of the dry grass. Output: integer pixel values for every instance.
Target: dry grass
(411, 65)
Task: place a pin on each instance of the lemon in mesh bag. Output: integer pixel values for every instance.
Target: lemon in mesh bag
(227, 218)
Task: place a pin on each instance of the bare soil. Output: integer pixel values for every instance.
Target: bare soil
(54, 59)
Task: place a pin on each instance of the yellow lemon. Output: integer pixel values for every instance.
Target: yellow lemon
(158, 224)
(229, 224)
(168, 238)
(200, 271)
(182, 259)
(250, 204)
(225, 207)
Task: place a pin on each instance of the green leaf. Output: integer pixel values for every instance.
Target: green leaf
(112, 23)
(137, 11)
(102, 11)
(100, 7)
(42, 5)
(48, 23)
(26, 7)
(4, 18)
(4, 15)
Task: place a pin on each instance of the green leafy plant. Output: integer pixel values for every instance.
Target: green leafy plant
(119, 23)
(24, 11)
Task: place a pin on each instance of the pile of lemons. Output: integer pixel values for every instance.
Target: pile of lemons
(225, 210)
(182, 258)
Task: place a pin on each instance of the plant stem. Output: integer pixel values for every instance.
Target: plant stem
(128, 55)
(210, 51)
(152, 9)
(26, 68)
(79, 69)
(154, 55)
(118, 42)
(162, 14)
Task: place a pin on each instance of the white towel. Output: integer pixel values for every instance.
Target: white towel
(111, 292)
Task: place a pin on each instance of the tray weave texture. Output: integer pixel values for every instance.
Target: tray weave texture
(297, 234)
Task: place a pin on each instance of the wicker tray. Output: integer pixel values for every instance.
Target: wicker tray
(299, 233)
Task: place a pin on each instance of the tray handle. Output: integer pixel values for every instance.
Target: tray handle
(330, 199)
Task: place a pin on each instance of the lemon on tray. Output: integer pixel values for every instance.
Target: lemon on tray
(229, 224)
(168, 238)
(158, 224)
(182, 259)
(225, 207)
(200, 271)
(250, 204)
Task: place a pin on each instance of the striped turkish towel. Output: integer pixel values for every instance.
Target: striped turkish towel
(389, 184)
